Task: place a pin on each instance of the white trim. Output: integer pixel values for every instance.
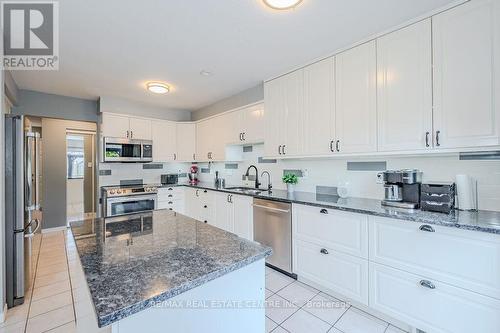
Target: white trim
(228, 111)
(48, 230)
(375, 36)
(3, 313)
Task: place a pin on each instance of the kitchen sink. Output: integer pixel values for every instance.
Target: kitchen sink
(245, 190)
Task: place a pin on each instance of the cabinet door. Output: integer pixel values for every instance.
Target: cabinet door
(203, 139)
(192, 203)
(252, 124)
(164, 137)
(115, 126)
(223, 212)
(274, 97)
(233, 127)
(319, 108)
(243, 216)
(466, 75)
(140, 128)
(356, 99)
(404, 89)
(293, 121)
(219, 137)
(186, 142)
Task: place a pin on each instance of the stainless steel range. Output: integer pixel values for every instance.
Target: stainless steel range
(121, 200)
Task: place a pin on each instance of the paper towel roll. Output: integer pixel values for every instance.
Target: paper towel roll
(466, 192)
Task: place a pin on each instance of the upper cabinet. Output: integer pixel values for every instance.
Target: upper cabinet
(121, 126)
(356, 99)
(284, 105)
(466, 51)
(186, 142)
(251, 124)
(404, 88)
(319, 107)
(164, 138)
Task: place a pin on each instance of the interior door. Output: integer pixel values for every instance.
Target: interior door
(356, 99)
(404, 88)
(466, 50)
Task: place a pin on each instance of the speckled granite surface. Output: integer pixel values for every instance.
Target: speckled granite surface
(483, 221)
(134, 261)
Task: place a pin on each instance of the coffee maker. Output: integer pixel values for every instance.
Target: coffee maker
(401, 188)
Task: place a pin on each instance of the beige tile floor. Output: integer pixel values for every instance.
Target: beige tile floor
(60, 302)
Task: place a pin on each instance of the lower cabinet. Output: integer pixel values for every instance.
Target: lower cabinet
(171, 198)
(341, 273)
(234, 213)
(429, 305)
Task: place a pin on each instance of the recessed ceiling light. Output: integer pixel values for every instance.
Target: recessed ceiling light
(205, 73)
(282, 4)
(158, 87)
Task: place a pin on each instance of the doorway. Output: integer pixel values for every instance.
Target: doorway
(80, 179)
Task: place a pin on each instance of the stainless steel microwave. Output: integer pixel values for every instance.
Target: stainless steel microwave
(127, 150)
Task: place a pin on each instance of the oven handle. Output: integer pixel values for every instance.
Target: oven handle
(132, 198)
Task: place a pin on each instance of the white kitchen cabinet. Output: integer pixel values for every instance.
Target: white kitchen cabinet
(192, 206)
(356, 99)
(463, 258)
(404, 88)
(342, 231)
(204, 139)
(429, 305)
(319, 108)
(284, 105)
(251, 125)
(200, 204)
(466, 51)
(224, 212)
(140, 128)
(186, 142)
(234, 213)
(339, 273)
(164, 136)
(171, 198)
(115, 126)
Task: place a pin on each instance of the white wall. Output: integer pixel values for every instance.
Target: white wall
(330, 172)
(119, 105)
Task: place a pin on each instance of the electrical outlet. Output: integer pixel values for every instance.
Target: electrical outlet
(380, 178)
(305, 173)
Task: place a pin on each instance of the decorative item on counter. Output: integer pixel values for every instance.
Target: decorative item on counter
(466, 192)
(290, 180)
(343, 189)
(438, 197)
(193, 175)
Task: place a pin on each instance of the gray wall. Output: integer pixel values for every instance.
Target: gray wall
(11, 89)
(249, 96)
(119, 105)
(2, 193)
(34, 103)
(54, 168)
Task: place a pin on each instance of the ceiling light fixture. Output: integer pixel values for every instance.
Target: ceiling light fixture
(282, 4)
(205, 73)
(157, 87)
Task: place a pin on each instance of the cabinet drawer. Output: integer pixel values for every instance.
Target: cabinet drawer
(341, 273)
(170, 190)
(466, 259)
(443, 309)
(341, 231)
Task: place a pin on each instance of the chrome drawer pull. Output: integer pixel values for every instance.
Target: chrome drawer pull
(427, 284)
(324, 251)
(427, 228)
(323, 211)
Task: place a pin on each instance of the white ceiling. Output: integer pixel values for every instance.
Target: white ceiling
(110, 48)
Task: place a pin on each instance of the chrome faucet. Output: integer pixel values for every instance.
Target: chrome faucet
(257, 184)
(269, 184)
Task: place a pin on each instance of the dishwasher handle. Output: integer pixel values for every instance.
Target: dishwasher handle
(272, 208)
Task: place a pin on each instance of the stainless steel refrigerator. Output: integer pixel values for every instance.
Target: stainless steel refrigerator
(23, 215)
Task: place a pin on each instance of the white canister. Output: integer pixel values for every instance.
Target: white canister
(466, 192)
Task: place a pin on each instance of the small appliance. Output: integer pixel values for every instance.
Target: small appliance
(193, 175)
(169, 179)
(121, 200)
(127, 150)
(438, 197)
(401, 188)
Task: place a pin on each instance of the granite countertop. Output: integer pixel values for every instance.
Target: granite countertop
(483, 221)
(133, 261)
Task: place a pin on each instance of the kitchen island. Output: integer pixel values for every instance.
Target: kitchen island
(162, 271)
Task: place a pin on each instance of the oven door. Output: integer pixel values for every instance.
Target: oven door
(128, 205)
(122, 150)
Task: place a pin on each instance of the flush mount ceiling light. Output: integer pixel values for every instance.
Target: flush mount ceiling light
(282, 4)
(158, 87)
(205, 73)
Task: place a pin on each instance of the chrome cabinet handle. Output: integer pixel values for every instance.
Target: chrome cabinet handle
(437, 138)
(205, 206)
(244, 139)
(175, 156)
(194, 157)
(170, 189)
(427, 284)
(170, 202)
(337, 145)
(427, 228)
(197, 194)
(272, 208)
(205, 191)
(284, 153)
(170, 196)
(324, 251)
(227, 199)
(241, 136)
(323, 211)
(279, 149)
(131, 134)
(427, 139)
(331, 146)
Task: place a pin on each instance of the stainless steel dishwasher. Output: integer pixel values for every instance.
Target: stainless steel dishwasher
(272, 226)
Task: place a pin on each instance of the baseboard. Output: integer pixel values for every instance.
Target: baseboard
(3, 314)
(47, 230)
